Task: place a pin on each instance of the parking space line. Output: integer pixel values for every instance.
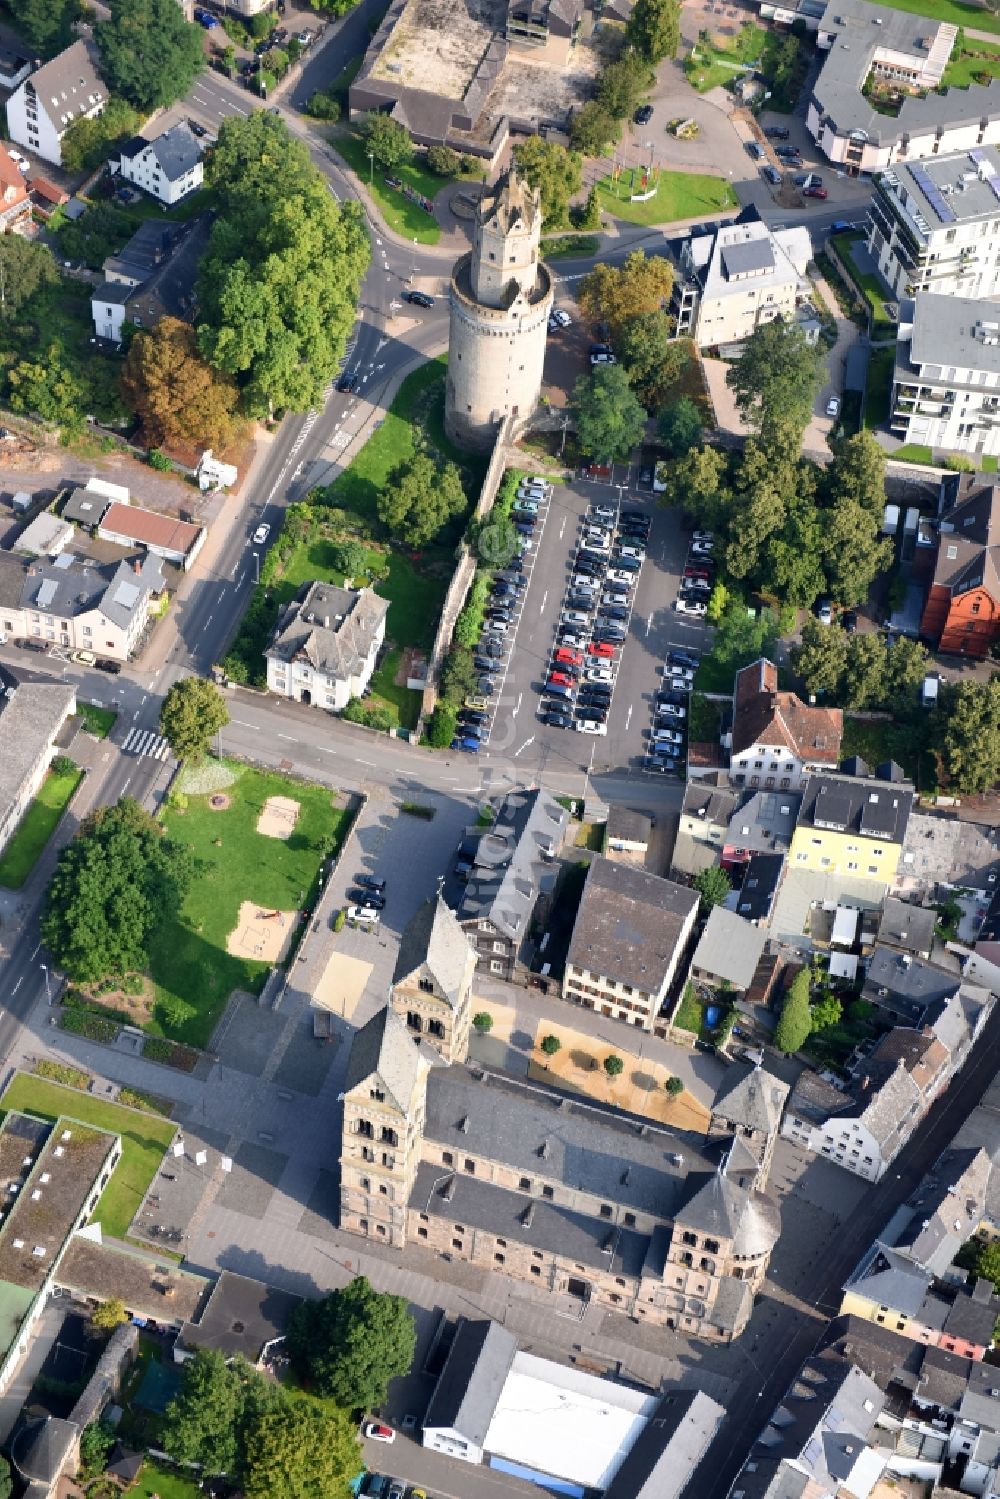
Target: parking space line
(510, 640)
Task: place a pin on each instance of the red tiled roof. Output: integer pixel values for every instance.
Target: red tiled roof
(149, 529)
(10, 178)
(763, 715)
(48, 189)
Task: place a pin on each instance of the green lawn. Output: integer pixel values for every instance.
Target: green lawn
(868, 285)
(399, 213)
(144, 1139)
(914, 452)
(156, 1480)
(96, 720)
(953, 11)
(679, 195)
(713, 63)
(988, 464)
(965, 62)
(569, 246)
(188, 957)
(37, 826)
(878, 390)
(880, 739)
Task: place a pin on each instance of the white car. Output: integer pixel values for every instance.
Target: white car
(363, 915)
(377, 1431)
(495, 627)
(636, 553)
(573, 642)
(619, 575)
(595, 549)
(562, 318)
(602, 513)
(702, 548)
(678, 673)
(600, 674)
(574, 617)
(591, 726)
(667, 736)
(671, 710)
(261, 534)
(596, 359)
(691, 606)
(833, 406)
(702, 536)
(584, 583)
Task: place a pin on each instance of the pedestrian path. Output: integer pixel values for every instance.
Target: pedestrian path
(144, 743)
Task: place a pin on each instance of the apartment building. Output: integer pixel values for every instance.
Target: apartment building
(325, 645)
(78, 604)
(935, 225)
(46, 104)
(31, 716)
(628, 940)
(167, 168)
(962, 611)
(777, 739)
(851, 825)
(946, 382)
(741, 276)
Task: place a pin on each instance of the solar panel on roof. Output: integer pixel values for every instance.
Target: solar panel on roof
(933, 194)
(977, 155)
(994, 183)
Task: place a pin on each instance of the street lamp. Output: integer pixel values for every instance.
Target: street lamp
(371, 168)
(256, 567)
(413, 275)
(48, 990)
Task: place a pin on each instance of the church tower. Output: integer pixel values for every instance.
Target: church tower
(501, 297)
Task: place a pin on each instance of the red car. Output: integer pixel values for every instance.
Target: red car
(698, 572)
(568, 657)
(560, 679)
(814, 192)
(602, 649)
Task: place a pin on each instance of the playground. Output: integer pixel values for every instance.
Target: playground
(261, 936)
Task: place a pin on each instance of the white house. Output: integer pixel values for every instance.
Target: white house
(326, 644)
(46, 104)
(168, 168)
(77, 604)
(777, 739)
(935, 225)
(946, 382)
(737, 278)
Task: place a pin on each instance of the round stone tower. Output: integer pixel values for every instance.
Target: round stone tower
(501, 297)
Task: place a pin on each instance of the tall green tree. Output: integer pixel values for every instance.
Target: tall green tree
(622, 84)
(280, 280)
(46, 25)
(795, 1020)
(651, 359)
(420, 498)
(390, 143)
(204, 1421)
(971, 741)
(113, 885)
(26, 267)
(593, 130)
(616, 294)
(88, 142)
(351, 1343)
(699, 484)
(680, 427)
(792, 567)
(654, 29)
(863, 684)
(854, 551)
(906, 669)
(713, 885)
(554, 171)
(609, 420)
(193, 712)
(821, 657)
(300, 1449)
(776, 379)
(857, 473)
(149, 53)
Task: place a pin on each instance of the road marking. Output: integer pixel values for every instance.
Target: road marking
(287, 736)
(135, 715)
(18, 984)
(562, 528)
(240, 580)
(545, 596)
(517, 709)
(649, 623)
(126, 785)
(243, 723)
(38, 948)
(370, 763)
(628, 716)
(209, 620)
(524, 746)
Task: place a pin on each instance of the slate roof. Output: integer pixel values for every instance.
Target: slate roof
(472, 1380)
(662, 1460)
(12, 575)
(628, 826)
(710, 803)
(764, 823)
(763, 715)
(719, 1207)
(869, 808)
(176, 151)
(751, 1098)
(514, 862)
(435, 939)
(973, 1314)
(629, 924)
(946, 1209)
(906, 926)
(543, 1136)
(889, 1278)
(973, 534)
(150, 246)
(30, 716)
(904, 985)
(729, 948)
(761, 879)
(331, 628)
(68, 85)
(240, 1317)
(41, 1449)
(385, 1048)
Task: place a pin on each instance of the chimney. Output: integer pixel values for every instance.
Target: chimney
(136, 565)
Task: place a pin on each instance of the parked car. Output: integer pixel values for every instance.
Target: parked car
(376, 1431)
(685, 658)
(370, 882)
(557, 720)
(591, 726)
(597, 359)
(777, 132)
(621, 576)
(599, 674)
(604, 513)
(570, 657)
(418, 298)
(691, 606)
(525, 507)
(643, 114)
(367, 915)
(114, 667)
(603, 651)
(367, 898)
(671, 710)
(823, 610)
(702, 548)
(815, 192)
(771, 174)
(757, 152)
(562, 317)
(668, 736)
(702, 536)
(466, 744)
(674, 673)
(833, 407)
(347, 383)
(261, 534)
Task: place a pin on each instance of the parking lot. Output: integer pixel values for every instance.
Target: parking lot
(654, 627)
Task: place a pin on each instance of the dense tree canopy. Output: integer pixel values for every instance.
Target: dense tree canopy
(177, 395)
(388, 141)
(552, 169)
(654, 29)
(26, 267)
(592, 129)
(622, 84)
(776, 379)
(609, 420)
(795, 1020)
(88, 142)
(419, 499)
(193, 712)
(46, 25)
(680, 427)
(649, 357)
(713, 885)
(971, 749)
(149, 53)
(117, 880)
(352, 1343)
(614, 294)
(300, 1449)
(280, 280)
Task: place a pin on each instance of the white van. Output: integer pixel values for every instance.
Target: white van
(929, 691)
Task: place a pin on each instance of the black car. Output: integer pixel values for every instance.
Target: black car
(592, 711)
(643, 114)
(637, 514)
(196, 129)
(370, 882)
(367, 898)
(557, 720)
(485, 663)
(596, 704)
(114, 667)
(788, 153)
(418, 298)
(609, 635)
(757, 152)
(777, 132)
(849, 621)
(613, 611)
(684, 658)
(502, 616)
(772, 174)
(347, 383)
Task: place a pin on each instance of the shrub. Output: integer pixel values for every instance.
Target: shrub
(94, 1027)
(614, 1066)
(338, 920)
(674, 1087)
(148, 1103)
(443, 161)
(550, 1045)
(483, 1021)
(371, 715)
(173, 1013)
(60, 1072)
(63, 765)
(795, 1020)
(441, 726)
(157, 458)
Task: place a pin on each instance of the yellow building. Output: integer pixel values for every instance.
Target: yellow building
(852, 825)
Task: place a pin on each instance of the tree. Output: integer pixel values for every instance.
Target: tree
(300, 1449)
(857, 473)
(654, 29)
(552, 170)
(26, 267)
(680, 427)
(697, 483)
(419, 498)
(441, 726)
(47, 387)
(443, 160)
(650, 358)
(674, 1087)
(96, 1442)
(458, 675)
(592, 129)
(204, 1421)
(351, 1343)
(614, 1066)
(865, 672)
(985, 1260)
(89, 142)
(389, 142)
(906, 669)
(792, 564)
(609, 420)
(971, 744)
(483, 1021)
(614, 294)
(821, 657)
(713, 885)
(795, 1020)
(176, 393)
(550, 1045)
(855, 552)
(46, 25)
(279, 282)
(149, 53)
(114, 884)
(109, 1315)
(826, 1011)
(622, 84)
(351, 558)
(776, 378)
(193, 712)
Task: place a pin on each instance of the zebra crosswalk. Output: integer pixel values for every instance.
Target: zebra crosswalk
(145, 742)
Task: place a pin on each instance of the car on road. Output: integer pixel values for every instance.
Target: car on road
(367, 898)
(777, 132)
(815, 192)
(370, 882)
(841, 226)
(562, 317)
(418, 298)
(643, 114)
(591, 726)
(114, 667)
(364, 915)
(771, 174)
(833, 407)
(261, 534)
(377, 1431)
(691, 606)
(206, 19)
(754, 150)
(347, 383)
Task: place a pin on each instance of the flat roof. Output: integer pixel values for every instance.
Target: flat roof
(942, 190)
(564, 1422)
(240, 1316)
(51, 1200)
(150, 1287)
(943, 338)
